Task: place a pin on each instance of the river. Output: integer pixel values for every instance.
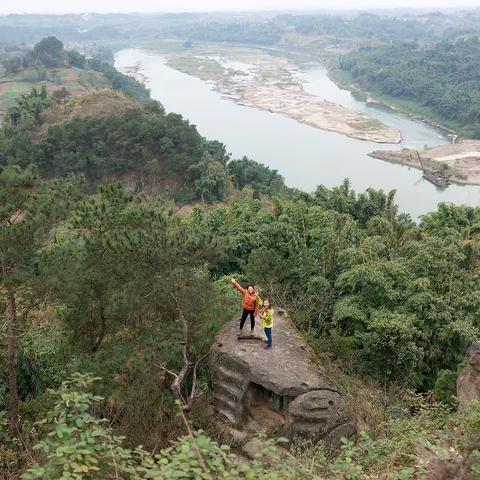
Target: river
(303, 155)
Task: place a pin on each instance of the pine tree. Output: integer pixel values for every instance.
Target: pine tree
(28, 211)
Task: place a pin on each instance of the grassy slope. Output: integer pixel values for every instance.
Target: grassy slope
(76, 81)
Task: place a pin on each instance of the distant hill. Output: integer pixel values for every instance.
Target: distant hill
(49, 65)
(107, 135)
(67, 114)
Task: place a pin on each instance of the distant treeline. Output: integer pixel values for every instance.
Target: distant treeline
(258, 28)
(444, 78)
(364, 26)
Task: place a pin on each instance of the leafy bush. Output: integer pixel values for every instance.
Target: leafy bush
(388, 348)
(80, 446)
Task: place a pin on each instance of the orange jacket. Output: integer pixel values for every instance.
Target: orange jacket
(250, 301)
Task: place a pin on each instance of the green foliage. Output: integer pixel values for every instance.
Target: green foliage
(12, 64)
(142, 140)
(79, 446)
(261, 178)
(446, 387)
(443, 78)
(388, 347)
(49, 52)
(76, 59)
(263, 33)
(28, 108)
(118, 255)
(354, 271)
(8, 456)
(104, 54)
(119, 81)
(210, 179)
(120, 285)
(28, 210)
(141, 143)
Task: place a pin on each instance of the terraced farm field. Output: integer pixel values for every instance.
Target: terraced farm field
(75, 80)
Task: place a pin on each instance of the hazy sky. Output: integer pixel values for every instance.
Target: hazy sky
(62, 6)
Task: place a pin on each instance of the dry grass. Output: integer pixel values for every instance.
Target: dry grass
(99, 103)
(366, 399)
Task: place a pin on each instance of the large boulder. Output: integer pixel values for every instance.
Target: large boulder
(468, 383)
(281, 389)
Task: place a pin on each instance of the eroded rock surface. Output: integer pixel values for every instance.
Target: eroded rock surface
(468, 383)
(280, 388)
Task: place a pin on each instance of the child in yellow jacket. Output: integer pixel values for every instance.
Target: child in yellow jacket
(266, 315)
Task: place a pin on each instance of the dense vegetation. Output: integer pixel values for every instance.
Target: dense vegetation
(127, 140)
(119, 81)
(123, 286)
(443, 78)
(111, 294)
(104, 284)
(143, 139)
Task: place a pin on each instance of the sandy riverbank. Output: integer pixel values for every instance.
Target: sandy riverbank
(460, 161)
(135, 72)
(254, 78)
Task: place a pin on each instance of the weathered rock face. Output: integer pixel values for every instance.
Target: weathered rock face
(281, 387)
(468, 383)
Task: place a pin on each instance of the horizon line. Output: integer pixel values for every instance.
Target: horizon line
(264, 10)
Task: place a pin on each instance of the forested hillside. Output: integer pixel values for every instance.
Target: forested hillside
(443, 78)
(106, 135)
(120, 230)
(97, 284)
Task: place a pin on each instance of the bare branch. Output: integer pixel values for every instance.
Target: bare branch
(194, 381)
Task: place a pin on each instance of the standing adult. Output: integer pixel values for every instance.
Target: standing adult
(250, 302)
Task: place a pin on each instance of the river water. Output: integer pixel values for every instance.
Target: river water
(303, 155)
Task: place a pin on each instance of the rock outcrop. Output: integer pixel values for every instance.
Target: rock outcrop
(281, 388)
(468, 383)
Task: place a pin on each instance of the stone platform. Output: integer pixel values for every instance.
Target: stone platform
(281, 389)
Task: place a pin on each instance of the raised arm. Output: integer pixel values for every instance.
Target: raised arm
(238, 286)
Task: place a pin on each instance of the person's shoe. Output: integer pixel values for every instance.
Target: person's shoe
(267, 346)
(239, 333)
(251, 332)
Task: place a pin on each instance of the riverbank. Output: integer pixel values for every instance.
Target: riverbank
(459, 161)
(370, 97)
(135, 72)
(305, 156)
(256, 79)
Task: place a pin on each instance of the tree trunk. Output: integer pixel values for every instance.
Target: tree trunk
(12, 326)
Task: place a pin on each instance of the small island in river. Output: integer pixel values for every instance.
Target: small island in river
(254, 78)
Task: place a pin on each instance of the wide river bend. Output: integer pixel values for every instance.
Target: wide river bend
(305, 156)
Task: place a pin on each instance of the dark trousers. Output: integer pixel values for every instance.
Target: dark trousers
(245, 314)
(268, 333)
